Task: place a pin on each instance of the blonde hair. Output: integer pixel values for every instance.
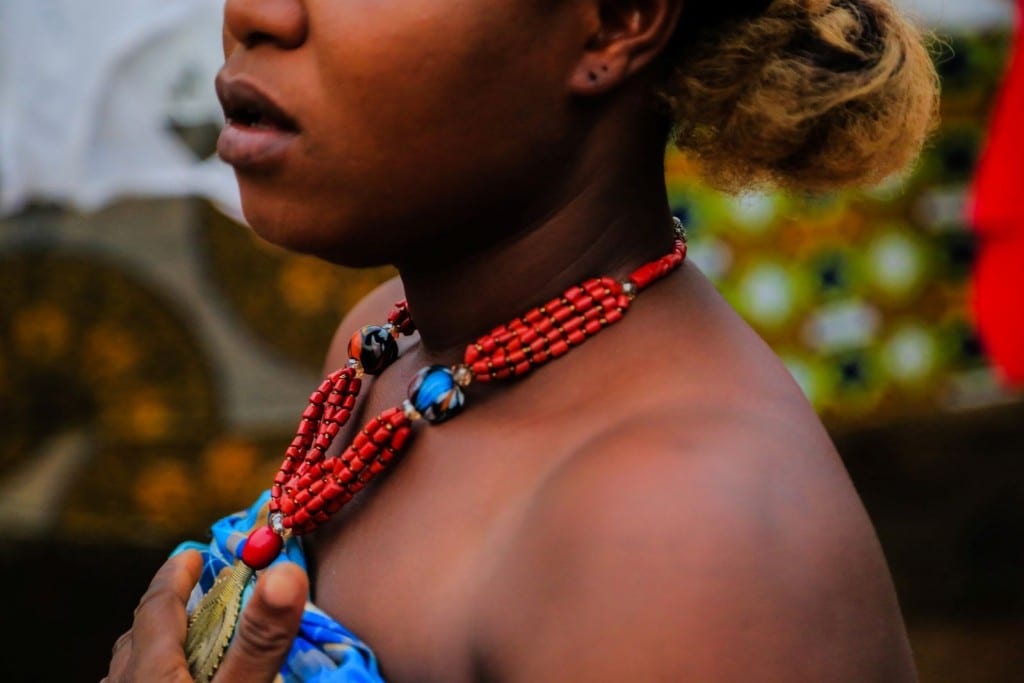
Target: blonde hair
(807, 95)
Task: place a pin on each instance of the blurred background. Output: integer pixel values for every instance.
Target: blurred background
(154, 356)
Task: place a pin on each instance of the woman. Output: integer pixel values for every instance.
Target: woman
(661, 503)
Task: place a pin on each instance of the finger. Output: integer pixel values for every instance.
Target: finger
(158, 632)
(267, 627)
(168, 577)
(123, 640)
(120, 658)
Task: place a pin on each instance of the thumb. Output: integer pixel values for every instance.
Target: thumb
(267, 626)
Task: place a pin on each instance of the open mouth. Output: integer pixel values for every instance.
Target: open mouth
(254, 117)
(246, 107)
(258, 134)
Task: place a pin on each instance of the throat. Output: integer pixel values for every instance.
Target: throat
(470, 295)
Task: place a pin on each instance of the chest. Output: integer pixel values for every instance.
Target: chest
(407, 563)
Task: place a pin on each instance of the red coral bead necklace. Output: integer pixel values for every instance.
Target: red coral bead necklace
(310, 487)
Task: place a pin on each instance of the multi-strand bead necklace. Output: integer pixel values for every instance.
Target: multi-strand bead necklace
(310, 487)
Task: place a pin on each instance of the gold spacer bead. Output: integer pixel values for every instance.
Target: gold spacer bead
(354, 363)
(680, 228)
(410, 411)
(463, 375)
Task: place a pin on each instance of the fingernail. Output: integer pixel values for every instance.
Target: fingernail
(280, 591)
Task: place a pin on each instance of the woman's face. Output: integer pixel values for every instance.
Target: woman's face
(394, 116)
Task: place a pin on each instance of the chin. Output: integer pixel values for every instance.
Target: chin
(329, 235)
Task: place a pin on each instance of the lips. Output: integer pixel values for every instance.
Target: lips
(257, 132)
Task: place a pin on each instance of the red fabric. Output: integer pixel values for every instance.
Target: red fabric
(996, 212)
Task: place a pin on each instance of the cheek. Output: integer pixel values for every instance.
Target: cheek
(436, 85)
(435, 113)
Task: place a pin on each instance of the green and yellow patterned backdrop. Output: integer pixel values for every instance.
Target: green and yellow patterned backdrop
(864, 294)
(116, 411)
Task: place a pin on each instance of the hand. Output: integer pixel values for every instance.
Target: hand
(153, 649)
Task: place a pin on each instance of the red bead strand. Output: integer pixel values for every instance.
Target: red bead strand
(401, 318)
(372, 450)
(643, 276)
(549, 331)
(330, 406)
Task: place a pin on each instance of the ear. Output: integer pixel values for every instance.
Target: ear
(623, 37)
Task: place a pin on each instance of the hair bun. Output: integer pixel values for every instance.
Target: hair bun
(809, 95)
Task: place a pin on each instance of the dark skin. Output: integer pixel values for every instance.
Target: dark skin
(661, 504)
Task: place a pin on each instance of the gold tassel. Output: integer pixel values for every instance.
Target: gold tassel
(213, 621)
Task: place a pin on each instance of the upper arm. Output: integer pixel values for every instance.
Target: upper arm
(641, 562)
(372, 309)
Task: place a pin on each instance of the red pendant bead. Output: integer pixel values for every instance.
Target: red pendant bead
(261, 548)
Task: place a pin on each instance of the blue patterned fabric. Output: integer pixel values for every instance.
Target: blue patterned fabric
(324, 651)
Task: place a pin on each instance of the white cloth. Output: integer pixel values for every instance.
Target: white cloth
(88, 92)
(959, 14)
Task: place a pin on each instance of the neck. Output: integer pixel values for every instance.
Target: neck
(608, 225)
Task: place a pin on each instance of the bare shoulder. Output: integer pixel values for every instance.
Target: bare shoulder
(695, 548)
(371, 309)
